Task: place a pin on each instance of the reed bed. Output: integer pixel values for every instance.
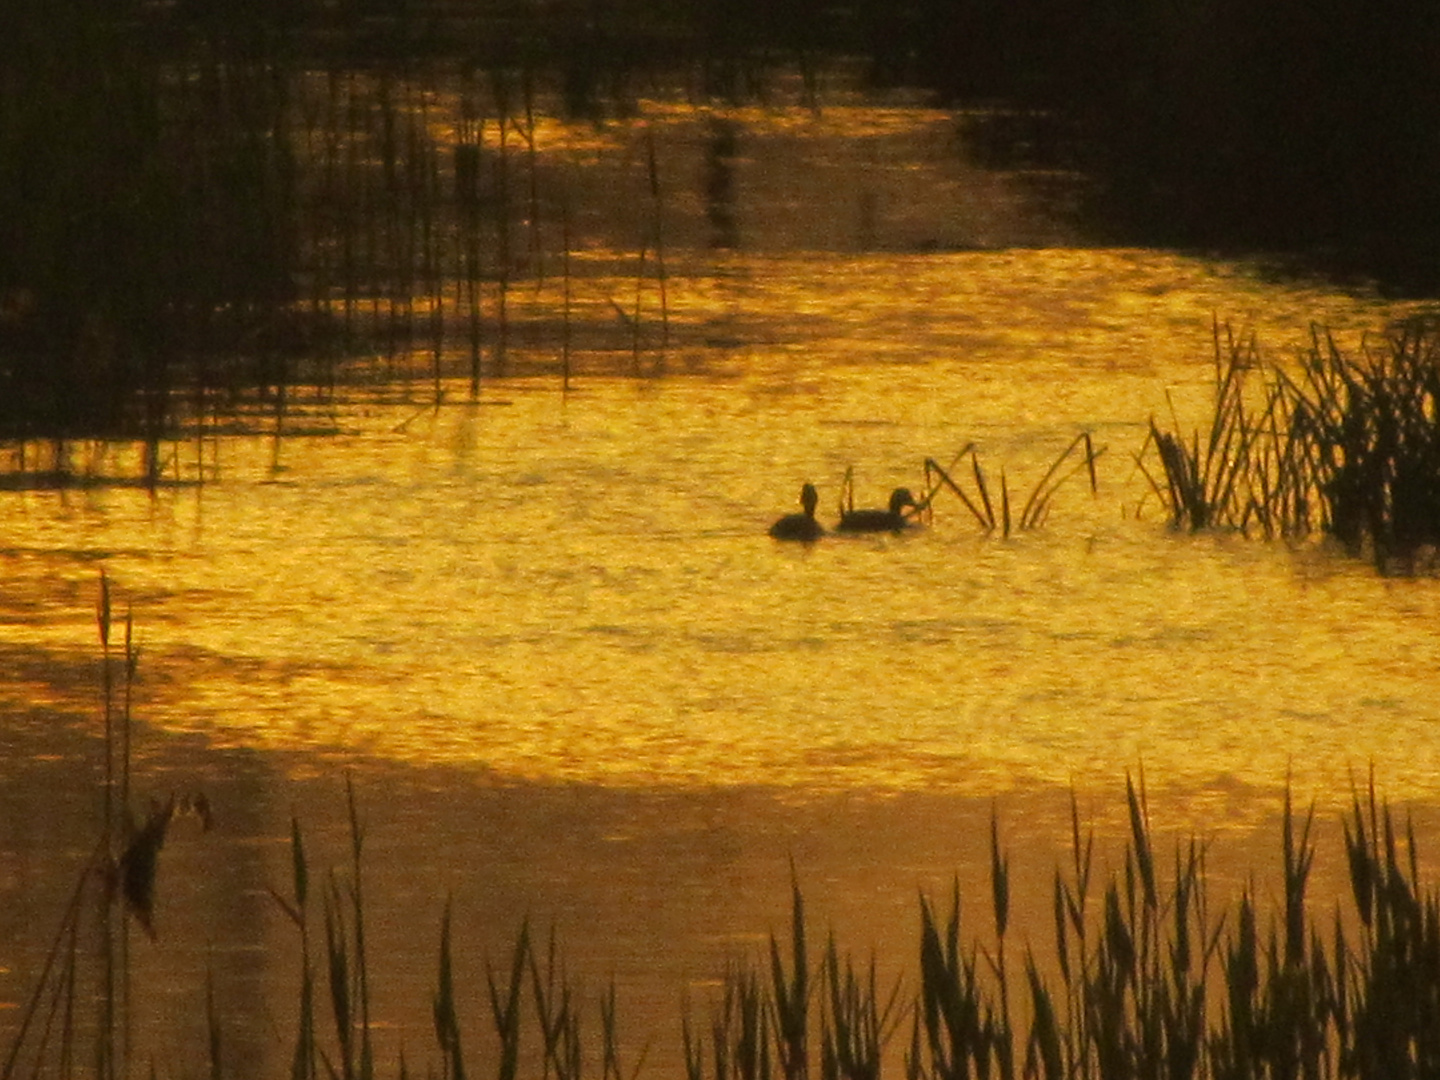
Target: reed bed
(1348, 447)
(1148, 980)
(1142, 975)
(1369, 428)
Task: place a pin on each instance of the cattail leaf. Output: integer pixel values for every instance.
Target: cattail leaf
(999, 879)
(1062, 937)
(1140, 839)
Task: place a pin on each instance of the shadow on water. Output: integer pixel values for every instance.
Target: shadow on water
(200, 204)
(1072, 954)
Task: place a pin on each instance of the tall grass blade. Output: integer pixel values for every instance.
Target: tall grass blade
(366, 1065)
(931, 465)
(505, 1006)
(791, 994)
(447, 1023)
(1140, 839)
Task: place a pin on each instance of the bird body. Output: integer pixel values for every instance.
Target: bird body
(872, 521)
(802, 526)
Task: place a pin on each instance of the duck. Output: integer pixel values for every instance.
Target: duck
(801, 526)
(870, 521)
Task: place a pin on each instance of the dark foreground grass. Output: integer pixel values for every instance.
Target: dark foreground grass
(1140, 976)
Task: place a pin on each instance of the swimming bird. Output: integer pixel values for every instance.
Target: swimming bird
(800, 526)
(891, 520)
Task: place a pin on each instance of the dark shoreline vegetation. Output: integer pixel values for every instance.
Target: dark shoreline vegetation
(1140, 975)
(204, 202)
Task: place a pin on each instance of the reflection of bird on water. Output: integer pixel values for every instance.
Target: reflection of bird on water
(800, 526)
(891, 520)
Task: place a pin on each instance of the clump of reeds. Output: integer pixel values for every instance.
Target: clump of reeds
(771, 1025)
(1199, 487)
(1244, 470)
(553, 1027)
(1145, 979)
(1350, 448)
(1372, 425)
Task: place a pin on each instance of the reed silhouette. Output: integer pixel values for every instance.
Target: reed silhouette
(1145, 975)
(1347, 446)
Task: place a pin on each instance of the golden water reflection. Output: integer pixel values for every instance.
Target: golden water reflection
(578, 587)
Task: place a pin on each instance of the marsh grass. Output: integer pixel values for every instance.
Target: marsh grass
(1142, 975)
(1250, 469)
(81, 1006)
(1371, 431)
(1143, 978)
(1348, 447)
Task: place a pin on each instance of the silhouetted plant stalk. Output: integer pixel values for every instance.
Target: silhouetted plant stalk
(304, 1057)
(501, 92)
(447, 1022)
(657, 209)
(652, 239)
(348, 959)
(790, 999)
(1036, 507)
(558, 1015)
(532, 160)
(467, 170)
(89, 960)
(565, 331)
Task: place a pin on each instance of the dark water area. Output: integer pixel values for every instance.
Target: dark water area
(657, 894)
(144, 263)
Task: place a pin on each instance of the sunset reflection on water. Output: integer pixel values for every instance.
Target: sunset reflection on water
(578, 588)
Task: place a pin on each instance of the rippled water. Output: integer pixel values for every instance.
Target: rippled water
(548, 636)
(578, 587)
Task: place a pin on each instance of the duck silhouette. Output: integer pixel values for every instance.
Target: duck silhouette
(871, 521)
(801, 526)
